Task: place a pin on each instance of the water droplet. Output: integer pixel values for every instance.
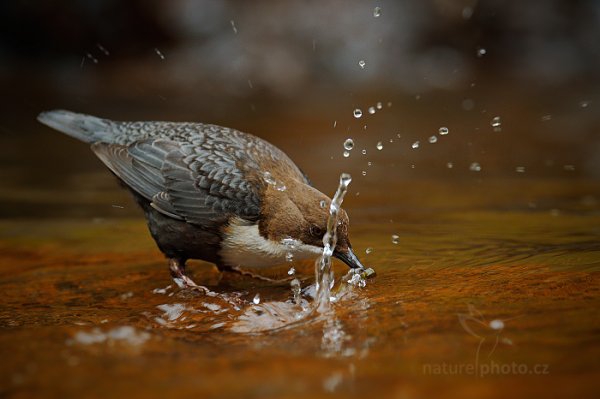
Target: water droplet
(256, 299)
(416, 144)
(496, 324)
(569, 167)
(101, 48)
(323, 203)
(443, 131)
(372, 110)
(368, 250)
(357, 113)
(280, 187)
(362, 64)
(364, 152)
(377, 12)
(433, 139)
(292, 271)
(481, 52)
(496, 124)
(584, 104)
(389, 104)
(546, 118)
(379, 105)
(379, 145)
(289, 257)
(334, 123)
(346, 154)
(364, 172)
(399, 135)
(91, 57)
(395, 239)
(475, 167)
(449, 165)
(232, 22)
(157, 51)
(349, 144)
(268, 178)
(520, 169)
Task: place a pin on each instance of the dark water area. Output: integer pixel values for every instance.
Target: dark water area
(485, 240)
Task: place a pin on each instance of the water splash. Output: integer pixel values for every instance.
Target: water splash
(323, 274)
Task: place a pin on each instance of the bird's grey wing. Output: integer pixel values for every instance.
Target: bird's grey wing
(182, 180)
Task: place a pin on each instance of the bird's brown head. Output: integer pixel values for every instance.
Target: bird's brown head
(301, 212)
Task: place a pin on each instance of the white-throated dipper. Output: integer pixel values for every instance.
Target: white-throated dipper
(212, 193)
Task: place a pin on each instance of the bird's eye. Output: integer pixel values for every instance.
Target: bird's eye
(316, 231)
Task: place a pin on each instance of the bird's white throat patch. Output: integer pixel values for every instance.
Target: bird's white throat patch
(243, 246)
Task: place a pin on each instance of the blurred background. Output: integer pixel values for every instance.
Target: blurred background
(515, 83)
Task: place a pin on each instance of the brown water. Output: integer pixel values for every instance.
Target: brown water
(89, 310)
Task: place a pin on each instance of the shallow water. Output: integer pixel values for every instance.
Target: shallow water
(492, 290)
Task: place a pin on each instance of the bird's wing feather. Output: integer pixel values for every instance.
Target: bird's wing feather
(182, 180)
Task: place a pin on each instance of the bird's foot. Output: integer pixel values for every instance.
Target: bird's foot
(177, 269)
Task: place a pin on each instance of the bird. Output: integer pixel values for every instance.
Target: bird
(212, 193)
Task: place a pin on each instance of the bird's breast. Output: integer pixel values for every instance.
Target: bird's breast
(244, 246)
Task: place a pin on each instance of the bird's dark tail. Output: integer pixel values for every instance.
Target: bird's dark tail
(87, 128)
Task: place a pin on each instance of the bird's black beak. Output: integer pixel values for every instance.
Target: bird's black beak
(349, 258)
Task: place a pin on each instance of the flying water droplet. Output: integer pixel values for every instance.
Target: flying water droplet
(349, 144)
(372, 110)
(91, 57)
(416, 145)
(496, 124)
(289, 257)
(256, 299)
(296, 290)
(101, 48)
(475, 167)
(584, 104)
(377, 12)
(232, 22)
(379, 145)
(346, 154)
(443, 131)
(323, 203)
(449, 165)
(362, 64)
(368, 250)
(157, 51)
(364, 152)
(395, 239)
(433, 139)
(379, 105)
(292, 271)
(481, 52)
(364, 172)
(520, 169)
(357, 113)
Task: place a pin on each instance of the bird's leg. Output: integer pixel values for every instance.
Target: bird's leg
(177, 268)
